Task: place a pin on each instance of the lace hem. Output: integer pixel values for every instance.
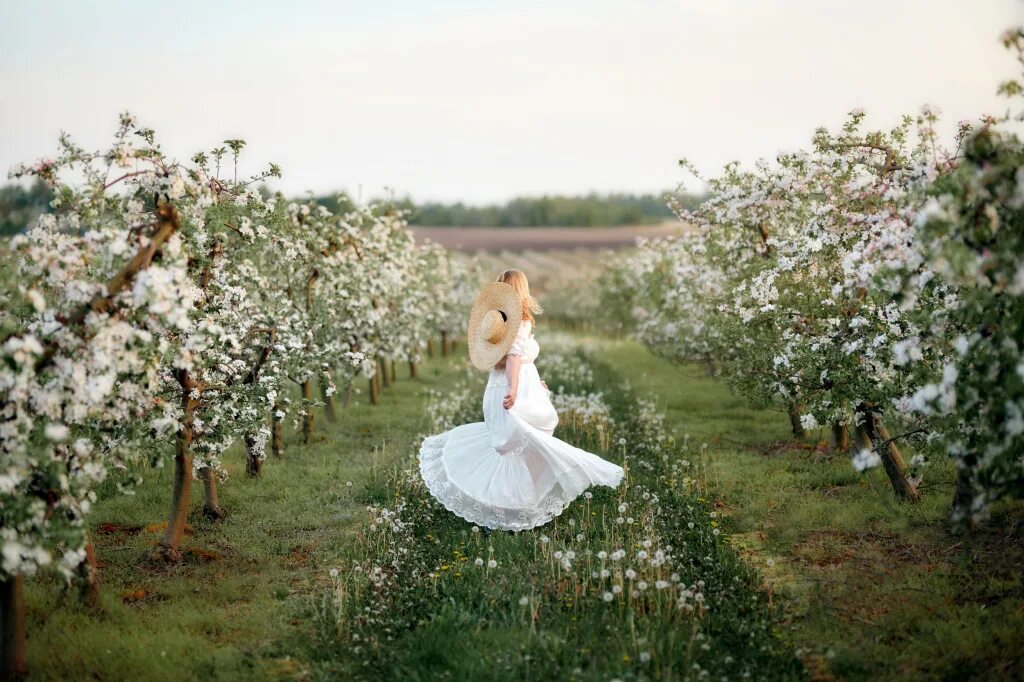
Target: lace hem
(458, 502)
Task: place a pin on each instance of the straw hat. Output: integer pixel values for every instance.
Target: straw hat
(493, 324)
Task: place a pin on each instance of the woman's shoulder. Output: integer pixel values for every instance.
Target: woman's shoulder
(525, 328)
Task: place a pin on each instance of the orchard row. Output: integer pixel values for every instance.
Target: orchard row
(872, 284)
(167, 310)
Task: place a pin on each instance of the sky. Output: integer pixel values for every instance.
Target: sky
(483, 101)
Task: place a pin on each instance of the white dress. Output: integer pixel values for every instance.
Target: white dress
(508, 471)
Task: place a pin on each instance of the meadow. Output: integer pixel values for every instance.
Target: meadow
(817, 571)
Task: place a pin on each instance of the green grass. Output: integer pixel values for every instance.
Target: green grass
(861, 586)
(871, 588)
(239, 605)
(438, 615)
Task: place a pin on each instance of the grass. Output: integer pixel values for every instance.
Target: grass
(862, 587)
(410, 601)
(239, 605)
(871, 588)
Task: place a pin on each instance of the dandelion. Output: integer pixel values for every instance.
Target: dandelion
(630, 573)
(622, 507)
(608, 596)
(492, 564)
(475, 529)
(588, 495)
(479, 561)
(523, 601)
(661, 584)
(56, 432)
(602, 555)
(642, 585)
(334, 573)
(617, 589)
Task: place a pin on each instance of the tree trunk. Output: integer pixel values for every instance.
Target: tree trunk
(329, 405)
(90, 577)
(840, 437)
(253, 457)
(348, 394)
(276, 435)
(394, 375)
(794, 422)
(211, 505)
(444, 344)
(963, 497)
(181, 494)
(861, 441)
(382, 365)
(412, 369)
(430, 348)
(307, 418)
(13, 663)
(892, 460)
(374, 397)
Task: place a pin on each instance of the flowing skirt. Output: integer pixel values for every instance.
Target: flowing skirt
(508, 472)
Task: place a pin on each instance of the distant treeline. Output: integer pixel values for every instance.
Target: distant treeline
(19, 206)
(591, 210)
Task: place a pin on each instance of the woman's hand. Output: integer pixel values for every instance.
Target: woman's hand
(510, 400)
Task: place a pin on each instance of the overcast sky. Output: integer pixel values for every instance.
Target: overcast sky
(482, 101)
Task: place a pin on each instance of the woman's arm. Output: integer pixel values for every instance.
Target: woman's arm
(512, 363)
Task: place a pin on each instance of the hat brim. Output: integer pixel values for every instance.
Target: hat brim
(503, 298)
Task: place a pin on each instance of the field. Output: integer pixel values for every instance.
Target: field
(473, 239)
(847, 576)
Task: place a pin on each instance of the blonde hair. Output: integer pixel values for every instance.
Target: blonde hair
(517, 280)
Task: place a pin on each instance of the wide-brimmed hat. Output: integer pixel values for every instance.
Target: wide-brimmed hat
(493, 324)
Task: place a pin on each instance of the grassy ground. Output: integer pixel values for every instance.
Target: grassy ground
(631, 583)
(238, 606)
(871, 588)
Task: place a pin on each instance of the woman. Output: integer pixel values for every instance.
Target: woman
(509, 472)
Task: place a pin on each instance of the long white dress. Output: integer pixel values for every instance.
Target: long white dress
(509, 472)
